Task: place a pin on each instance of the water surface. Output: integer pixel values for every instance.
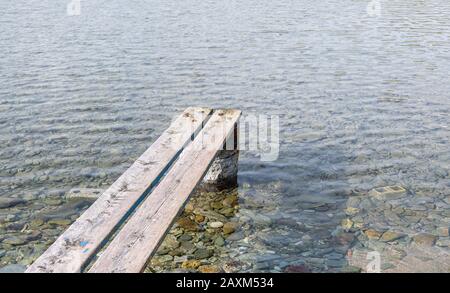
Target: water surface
(363, 102)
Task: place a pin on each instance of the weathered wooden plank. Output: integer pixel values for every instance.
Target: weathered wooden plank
(73, 249)
(136, 242)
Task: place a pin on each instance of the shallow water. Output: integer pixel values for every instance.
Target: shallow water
(363, 102)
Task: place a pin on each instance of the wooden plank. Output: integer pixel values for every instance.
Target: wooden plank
(73, 249)
(136, 242)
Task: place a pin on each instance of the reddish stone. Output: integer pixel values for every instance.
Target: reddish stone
(345, 238)
(297, 269)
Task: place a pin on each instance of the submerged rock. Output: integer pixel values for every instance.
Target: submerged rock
(188, 224)
(229, 227)
(425, 239)
(297, 269)
(15, 240)
(65, 211)
(236, 236)
(389, 236)
(442, 231)
(13, 269)
(60, 222)
(215, 224)
(10, 202)
(219, 241)
(344, 238)
(199, 218)
(232, 266)
(347, 224)
(203, 253)
(170, 243)
(191, 264)
(372, 234)
(86, 193)
(209, 269)
(350, 269)
(443, 243)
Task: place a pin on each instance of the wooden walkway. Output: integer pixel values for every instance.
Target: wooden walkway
(141, 205)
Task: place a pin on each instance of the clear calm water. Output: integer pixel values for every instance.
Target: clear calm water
(363, 101)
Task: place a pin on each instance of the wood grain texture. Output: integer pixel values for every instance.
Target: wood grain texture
(139, 238)
(73, 249)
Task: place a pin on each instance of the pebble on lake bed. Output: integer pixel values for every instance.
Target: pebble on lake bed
(372, 234)
(203, 253)
(187, 224)
(389, 236)
(191, 264)
(10, 202)
(347, 224)
(442, 231)
(13, 268)
(209, 269)
(215, 225)
(229, 227)
(424, 239)
(89, 193)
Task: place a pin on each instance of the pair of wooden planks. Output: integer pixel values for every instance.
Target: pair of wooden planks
(139, 238)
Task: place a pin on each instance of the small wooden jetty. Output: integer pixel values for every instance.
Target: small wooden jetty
(129, 220)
